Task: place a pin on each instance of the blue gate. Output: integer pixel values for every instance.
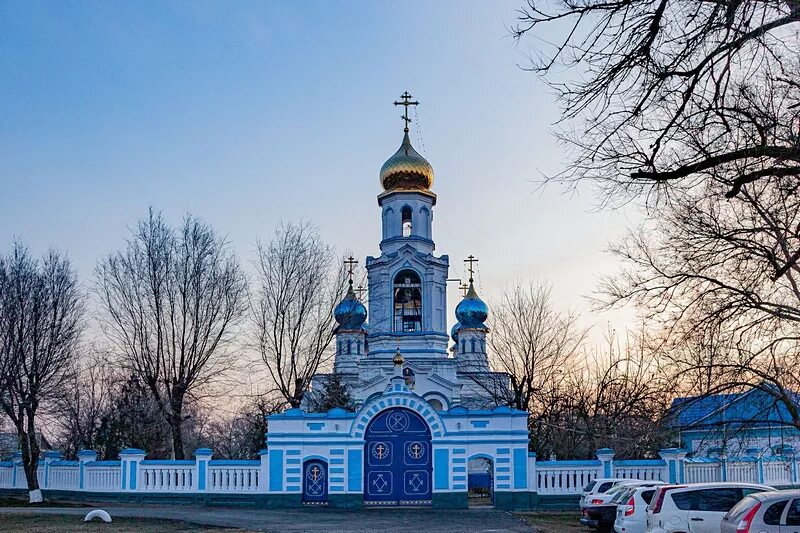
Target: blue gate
(315, 481)
(397, 459)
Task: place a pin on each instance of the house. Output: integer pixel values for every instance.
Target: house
(752, 422)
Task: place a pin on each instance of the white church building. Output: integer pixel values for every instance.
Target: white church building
(426, 400)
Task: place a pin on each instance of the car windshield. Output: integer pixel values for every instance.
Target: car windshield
(738, 510)
(621, 495)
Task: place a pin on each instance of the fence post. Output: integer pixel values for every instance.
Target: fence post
(533, 479)
(130, 459)
(84, 456)
(263, 477)
(49, 457)
(606, 457)
(676, 464)
(16, 458)
(723, 458)
(201, 457)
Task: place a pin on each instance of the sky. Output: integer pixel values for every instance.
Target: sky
(250, 113)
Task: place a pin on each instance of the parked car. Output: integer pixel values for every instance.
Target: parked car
(632, 514)
(596, 487)
(696, 508)
(765, 512)
(601, 511)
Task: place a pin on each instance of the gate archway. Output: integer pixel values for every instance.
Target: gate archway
(397, 459)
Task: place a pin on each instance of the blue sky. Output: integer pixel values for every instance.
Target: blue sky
(248, 113)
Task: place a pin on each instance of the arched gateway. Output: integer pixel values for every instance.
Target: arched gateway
(397, 459)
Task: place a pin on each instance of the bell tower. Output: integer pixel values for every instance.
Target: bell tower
(407, 283)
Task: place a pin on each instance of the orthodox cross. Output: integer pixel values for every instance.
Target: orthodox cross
(470, 260)
(360, 290)
(406, 97)
(351, 263)
(464, 288)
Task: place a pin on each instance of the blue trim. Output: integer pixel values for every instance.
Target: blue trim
(315, 426)
(568, 463)
(441, 469)
(201, 474)
(520, 468)
(639, 462)
(168, 462)
(292, 461)
(479, 423)
(459, 469)
(354, 470)
(276, 470)
(292, 452)
(459, 478)
(337, 451)
(337, 480)
(337, 470)
(503, 451)
(100, 463)
(459, 486)
(459, 451)
(459, 460)
(293, 488)
(503, 486)
(133, 475)
(503, 469)
(293, 479)
(503, 460)
(293, 470)
(123, 477)
(504, 478)
(337, 461)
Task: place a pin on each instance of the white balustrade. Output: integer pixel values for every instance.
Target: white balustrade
(743, 471)
(564, 479)
(102, 476)
(644, 473)
(62, 475)
(6, 476)
(702, 472)
(231, 478)
(777, 472)
(167, 476)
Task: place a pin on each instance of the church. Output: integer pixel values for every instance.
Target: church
(427, 424)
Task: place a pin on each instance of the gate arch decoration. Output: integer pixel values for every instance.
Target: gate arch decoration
(397, 459)
(315, 481)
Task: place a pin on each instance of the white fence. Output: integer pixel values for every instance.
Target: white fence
(133, 473)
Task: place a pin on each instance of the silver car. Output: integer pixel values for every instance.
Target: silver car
(765, 512)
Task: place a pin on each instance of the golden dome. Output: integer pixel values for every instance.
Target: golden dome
(398, 358)
(406, 169)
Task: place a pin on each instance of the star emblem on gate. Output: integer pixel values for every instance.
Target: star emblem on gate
(416, 482)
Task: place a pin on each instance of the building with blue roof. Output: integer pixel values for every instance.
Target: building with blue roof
(752, 422)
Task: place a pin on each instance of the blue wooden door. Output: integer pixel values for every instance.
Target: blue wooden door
(397, 459)
(315, 481)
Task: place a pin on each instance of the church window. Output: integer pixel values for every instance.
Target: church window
(472, 345)
(406, 221)
(483, 346)
(358, 347)
(436, 404)
(349, 347)
(407, 302)
(463, 346)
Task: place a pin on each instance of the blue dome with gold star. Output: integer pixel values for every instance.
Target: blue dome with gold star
(471, 311)
(350, 313)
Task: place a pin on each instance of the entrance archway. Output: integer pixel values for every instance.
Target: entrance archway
(397, 459)
(480, 481)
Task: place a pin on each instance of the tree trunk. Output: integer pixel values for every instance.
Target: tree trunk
(177, 437)
(30, 458)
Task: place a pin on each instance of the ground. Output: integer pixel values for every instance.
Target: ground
(169, 519)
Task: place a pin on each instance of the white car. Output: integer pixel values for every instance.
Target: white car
(597, 487)
(696, 508)
(601, 509)
(765, 512)
(632, 512)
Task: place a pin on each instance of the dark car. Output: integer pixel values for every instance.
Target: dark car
(601, 513)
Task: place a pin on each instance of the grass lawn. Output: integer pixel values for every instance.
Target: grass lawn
(554, 522)
(20, 502)
(70, 524)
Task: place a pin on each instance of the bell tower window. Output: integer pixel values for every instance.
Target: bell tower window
(407, 302)
(406, 213)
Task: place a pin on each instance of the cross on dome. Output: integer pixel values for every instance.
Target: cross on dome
(406, 97)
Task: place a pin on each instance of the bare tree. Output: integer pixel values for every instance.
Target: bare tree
(41, 309)
(533, 342)
(299, 284)
(673, 93)
(172, 300)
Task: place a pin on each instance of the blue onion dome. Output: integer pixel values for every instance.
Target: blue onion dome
(406, 169)
(454, 331)
(350, 313)
(471, 311)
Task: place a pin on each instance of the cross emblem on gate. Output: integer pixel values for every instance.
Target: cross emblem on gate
(315, 473)
(415, 450)
(380, 451)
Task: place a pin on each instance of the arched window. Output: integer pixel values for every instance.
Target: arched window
(406, 221)
(472, 345)
(407, 301)
(349, 347)
(436, 404)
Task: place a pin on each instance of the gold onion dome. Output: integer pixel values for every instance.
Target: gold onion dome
(398, 358)
(406, 169)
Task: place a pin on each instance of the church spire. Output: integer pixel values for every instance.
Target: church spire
(406, 169)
